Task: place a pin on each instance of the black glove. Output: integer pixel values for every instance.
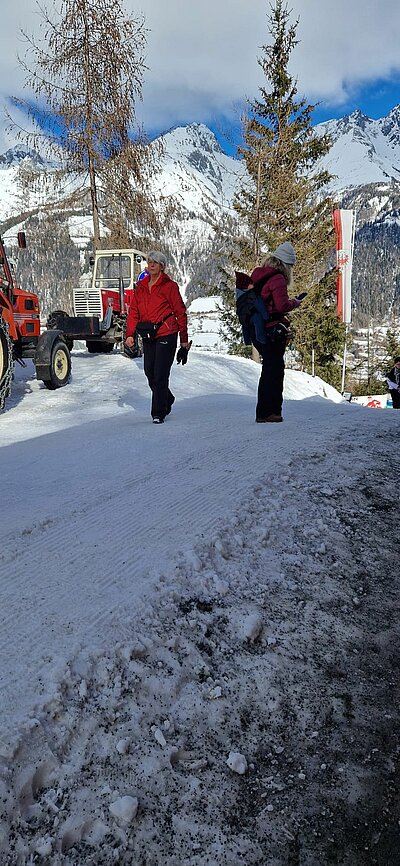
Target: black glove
(182, 356)
(130, 351)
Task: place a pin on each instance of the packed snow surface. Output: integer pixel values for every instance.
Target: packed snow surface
(200, 623)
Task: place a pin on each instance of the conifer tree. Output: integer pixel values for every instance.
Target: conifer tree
(392, 349)
(317, 331)
(86, 76)
(284, 197)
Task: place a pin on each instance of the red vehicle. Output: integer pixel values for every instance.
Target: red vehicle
(20, 335)
(100, 309)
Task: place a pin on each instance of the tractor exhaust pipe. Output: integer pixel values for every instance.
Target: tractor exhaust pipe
(121, 285)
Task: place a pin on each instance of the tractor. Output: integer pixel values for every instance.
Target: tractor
(100, 310)
(20, 335)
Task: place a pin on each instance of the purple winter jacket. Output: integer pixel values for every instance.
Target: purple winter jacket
(274, 294)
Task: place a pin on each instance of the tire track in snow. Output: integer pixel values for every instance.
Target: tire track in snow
(87, 560)
(45, 595)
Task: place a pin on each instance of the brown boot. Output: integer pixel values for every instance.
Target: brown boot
(269, 418)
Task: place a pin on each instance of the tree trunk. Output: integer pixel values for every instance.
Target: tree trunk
(257, 212)
(95, 207)
(89, 115)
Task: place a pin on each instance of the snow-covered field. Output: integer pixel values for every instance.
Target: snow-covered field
(200, 623)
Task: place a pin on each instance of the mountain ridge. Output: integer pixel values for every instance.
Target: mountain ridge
(200, 179)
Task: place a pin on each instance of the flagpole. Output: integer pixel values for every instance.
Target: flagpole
(344, 360)
(344, 223)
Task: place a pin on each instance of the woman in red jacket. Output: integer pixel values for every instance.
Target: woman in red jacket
(157, 299)
(274, 276)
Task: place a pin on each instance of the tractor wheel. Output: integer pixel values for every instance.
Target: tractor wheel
(6, 362)
(98, 347)
(60, 366)
(52, 325)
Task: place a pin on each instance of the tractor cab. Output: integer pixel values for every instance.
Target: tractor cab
(100, 309)
(115, 273)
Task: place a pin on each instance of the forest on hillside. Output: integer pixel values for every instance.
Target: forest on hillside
(52, 263)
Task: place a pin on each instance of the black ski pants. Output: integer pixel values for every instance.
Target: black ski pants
(158, 359)
(395, 395)
(270, 386)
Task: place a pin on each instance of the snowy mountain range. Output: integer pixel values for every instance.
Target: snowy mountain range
(200, 179)
(365, 162)
(363, 151)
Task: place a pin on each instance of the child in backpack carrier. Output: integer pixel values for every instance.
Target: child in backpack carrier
(250, 309)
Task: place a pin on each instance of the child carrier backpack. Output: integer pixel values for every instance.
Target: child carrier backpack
(250, 309)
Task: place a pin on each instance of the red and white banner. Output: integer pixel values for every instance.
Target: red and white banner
(344, 223)
(374, 401)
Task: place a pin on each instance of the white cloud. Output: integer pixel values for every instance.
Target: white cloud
(345, 43)
(202, 54)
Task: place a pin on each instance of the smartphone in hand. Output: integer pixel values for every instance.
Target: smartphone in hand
(301, 296)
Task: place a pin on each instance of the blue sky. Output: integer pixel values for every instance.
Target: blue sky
(347, 57)
(375, 99)
(202, 57)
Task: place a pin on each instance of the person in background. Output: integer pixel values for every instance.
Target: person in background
(157, 301)
(274, 276)
(393, 380)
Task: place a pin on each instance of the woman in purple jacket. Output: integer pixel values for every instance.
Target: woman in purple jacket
(274, 276)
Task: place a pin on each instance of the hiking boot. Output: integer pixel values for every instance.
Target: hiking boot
(274, 419)
(158, 420)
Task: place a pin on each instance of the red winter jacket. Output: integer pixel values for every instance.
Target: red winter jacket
(153, 305)
(274, 294)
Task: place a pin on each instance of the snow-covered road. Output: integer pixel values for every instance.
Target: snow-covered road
(111, 527)
(103, 502)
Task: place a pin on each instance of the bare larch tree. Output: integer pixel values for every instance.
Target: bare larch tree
(85, 73)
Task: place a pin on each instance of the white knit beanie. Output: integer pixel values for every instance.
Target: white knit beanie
(285, 253)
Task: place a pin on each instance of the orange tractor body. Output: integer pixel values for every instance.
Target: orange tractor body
(20, 333)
